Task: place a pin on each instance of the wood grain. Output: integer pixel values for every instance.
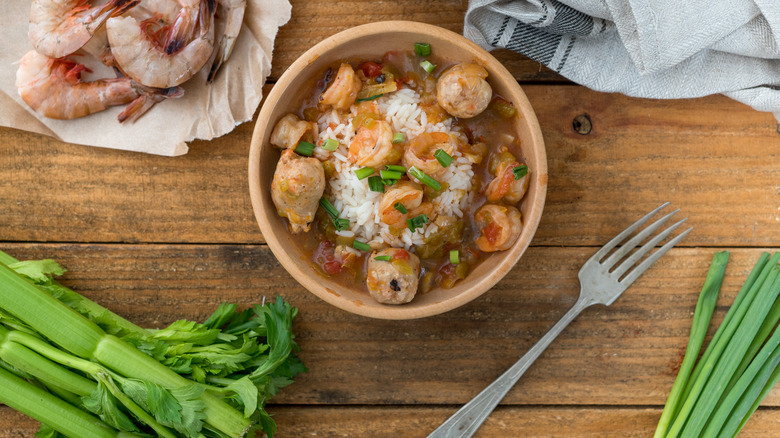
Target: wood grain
(312, 22)
(636, 343)
(418, 422)
(713, 157)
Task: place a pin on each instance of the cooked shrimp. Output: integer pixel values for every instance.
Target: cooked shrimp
(406, 193)
(231, 16)
(289, 130)
(499, 227)
(53, 88)
(505, 185)
(296, 189)
(166, 60)
(374, 146)
(342, 93)
(419, 151)
(394, 281)
(60, 27)
(463, 91)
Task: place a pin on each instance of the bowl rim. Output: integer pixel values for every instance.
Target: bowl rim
(398, 312)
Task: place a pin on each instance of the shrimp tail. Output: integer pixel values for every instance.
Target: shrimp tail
(228, 40)
(187, 24)
(147, 99)
(113, 8)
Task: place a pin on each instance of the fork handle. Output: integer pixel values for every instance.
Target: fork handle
(465, 422)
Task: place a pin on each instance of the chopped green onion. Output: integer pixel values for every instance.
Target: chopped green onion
(422, 49)
(330, 144)
(428, 66)
(366, 99)
(425, 179)
(375, 184)
(396, 168)
(454, 257)
(520, 171)
(304, 148)
(398, 137)
(362, 246)
(341, 224)
(329, 208)
(389, 182)
(390, 174)
(443, 157)
(400, 207)
(416, 222)
(383, 258)
(364, 172)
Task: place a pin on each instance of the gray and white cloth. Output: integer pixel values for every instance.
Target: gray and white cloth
(666, 49)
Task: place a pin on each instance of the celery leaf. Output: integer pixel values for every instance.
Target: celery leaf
(39, 271)
(102, 403)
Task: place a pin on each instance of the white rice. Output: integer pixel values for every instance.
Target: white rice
(356, 202)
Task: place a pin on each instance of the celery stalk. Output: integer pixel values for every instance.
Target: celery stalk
(733, 354)
(85, 339)
(46, 408)
(701, 320)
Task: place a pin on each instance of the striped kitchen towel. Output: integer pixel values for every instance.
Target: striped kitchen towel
(665, 49)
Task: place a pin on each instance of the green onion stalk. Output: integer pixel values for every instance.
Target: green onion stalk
(85, 340)
(701, 320)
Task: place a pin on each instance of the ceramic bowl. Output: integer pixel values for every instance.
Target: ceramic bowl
(371, 41)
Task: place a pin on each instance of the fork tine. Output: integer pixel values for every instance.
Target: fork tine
(636, 240)
(645, 249)
(625, 233)
(642, 267)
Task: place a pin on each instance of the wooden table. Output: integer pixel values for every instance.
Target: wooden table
(156, 239)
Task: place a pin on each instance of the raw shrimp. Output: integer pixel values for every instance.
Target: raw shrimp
(499, 227)
(60, 27)
(230, 14)
(53, 88)
(420, 151)
(373, 146)
(342, 93)
(406, 193)
(142, 54)
(463, 91)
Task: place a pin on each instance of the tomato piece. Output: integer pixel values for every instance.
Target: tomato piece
(325, 257)
(371, 69)
(401, 254)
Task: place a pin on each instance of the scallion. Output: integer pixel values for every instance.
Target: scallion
(329, 208)
(383, 258)
(390, 174)
(416, 222)
(366, 99)
(400, 207)
(362, 246)
(443, 157)
(428, 66)
(375, 184)
(520, 171)
(398, 137)
(389, 182)
(422, 49)
(304, 148)
(454, 257)
(364, 172)
(395, 167)
(341, 224)
(330, 145)
(424, 178)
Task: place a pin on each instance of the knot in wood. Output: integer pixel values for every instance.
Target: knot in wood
(582, 124)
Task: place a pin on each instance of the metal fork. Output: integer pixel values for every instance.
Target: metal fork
(601, 282)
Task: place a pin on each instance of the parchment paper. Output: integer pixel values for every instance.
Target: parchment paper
(204, 112)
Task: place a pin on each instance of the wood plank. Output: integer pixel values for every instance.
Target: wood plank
(626, 354)
(712, 157)
(312, 22)
(412, 422)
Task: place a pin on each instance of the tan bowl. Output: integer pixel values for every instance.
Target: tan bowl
(371, 41)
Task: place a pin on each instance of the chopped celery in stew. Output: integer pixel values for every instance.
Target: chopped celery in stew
(415, 173)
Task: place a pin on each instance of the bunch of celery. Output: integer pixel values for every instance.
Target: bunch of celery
(84, 372)
(741, 363)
